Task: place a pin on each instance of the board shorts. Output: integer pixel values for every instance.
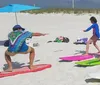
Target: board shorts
(13, 53)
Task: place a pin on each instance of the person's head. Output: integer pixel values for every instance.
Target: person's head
(18, 27)
(93, 20)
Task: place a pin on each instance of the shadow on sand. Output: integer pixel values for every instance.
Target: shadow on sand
(64, 61)
(14, 64)
(92, 80)
(79, 51)
(81, 66)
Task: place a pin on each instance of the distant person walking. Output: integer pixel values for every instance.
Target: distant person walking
(95, 35)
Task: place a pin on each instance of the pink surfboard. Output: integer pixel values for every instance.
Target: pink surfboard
(25, 69)
(76, 57)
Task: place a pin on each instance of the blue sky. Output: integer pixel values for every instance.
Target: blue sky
(55, 3)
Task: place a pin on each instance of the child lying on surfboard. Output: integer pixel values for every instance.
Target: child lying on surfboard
(95, 35)
(17, 45)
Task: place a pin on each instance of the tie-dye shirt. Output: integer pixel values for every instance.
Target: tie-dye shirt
(17, 41)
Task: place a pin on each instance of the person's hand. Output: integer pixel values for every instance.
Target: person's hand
(39, 34)
(44, 34)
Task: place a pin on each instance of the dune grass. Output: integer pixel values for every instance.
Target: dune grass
(63, 10)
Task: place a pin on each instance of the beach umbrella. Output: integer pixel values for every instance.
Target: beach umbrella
(17, 8)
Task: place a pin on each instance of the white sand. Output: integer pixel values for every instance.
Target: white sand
(61, 73)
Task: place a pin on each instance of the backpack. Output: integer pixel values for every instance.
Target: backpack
(65, 39)
(6, 43)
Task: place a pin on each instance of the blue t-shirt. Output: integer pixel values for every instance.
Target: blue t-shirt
(95, 28)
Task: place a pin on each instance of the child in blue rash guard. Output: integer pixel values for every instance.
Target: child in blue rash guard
(17, 45)
(95, 35)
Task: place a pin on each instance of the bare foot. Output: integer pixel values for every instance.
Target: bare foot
(98, 52)
(32, 67)
(9, 70)
(86, 54)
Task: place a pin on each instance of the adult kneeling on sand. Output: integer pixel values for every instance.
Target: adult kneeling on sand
(17, 45)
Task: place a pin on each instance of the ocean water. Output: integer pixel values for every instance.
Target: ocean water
(55, 3)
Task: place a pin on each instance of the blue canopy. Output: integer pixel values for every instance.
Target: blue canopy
(17, 8)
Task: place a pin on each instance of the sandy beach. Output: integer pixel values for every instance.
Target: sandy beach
(61, 73)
